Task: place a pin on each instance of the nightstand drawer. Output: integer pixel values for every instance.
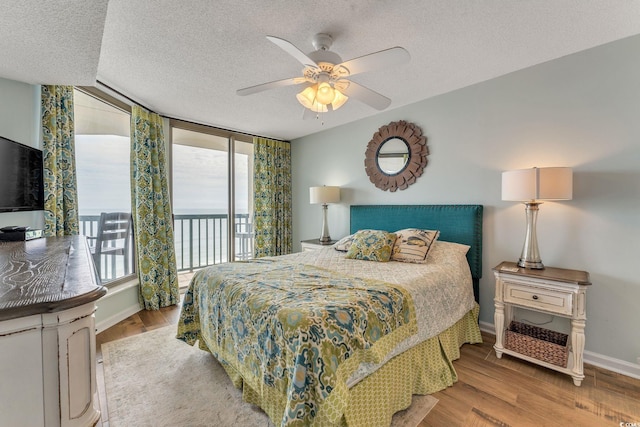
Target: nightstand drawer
(554, 301)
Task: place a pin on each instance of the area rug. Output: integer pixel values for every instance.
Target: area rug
(153, 379)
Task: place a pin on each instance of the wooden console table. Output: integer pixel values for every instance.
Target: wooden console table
(48, 289)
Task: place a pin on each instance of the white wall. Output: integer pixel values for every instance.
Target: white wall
(20, 122)
(581, 111)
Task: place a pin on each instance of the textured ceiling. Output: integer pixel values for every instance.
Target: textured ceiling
(55, 42)
(186, 59)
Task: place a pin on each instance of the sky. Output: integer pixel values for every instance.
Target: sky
(199, 177)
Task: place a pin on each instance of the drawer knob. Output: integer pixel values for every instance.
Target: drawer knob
(535, 297)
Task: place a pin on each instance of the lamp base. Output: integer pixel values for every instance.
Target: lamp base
(533, 265)
(530, 257)
(324, 238)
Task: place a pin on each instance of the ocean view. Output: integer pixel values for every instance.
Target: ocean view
(199, 177)
(199, 187)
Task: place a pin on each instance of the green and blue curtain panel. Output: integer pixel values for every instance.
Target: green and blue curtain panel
(272, 197)
(60, 184)
(151, 211)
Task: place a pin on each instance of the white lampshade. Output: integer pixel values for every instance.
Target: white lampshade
(555, 183)
(324, 194)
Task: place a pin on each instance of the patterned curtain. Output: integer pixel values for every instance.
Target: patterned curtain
(151, 211)
(60, 185)
(272, 197)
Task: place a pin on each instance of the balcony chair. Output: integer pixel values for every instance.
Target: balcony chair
(113, 238)
(244, 234)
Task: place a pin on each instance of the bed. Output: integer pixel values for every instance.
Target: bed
(317, 339)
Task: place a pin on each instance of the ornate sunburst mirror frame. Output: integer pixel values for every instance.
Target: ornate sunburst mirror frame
(396, 156)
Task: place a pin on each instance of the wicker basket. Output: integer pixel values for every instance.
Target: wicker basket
(539, 343)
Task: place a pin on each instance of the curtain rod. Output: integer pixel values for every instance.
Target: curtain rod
(133, 101)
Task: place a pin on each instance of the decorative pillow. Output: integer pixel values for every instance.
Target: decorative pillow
(413, 244)
(344, 244)
(372, 245)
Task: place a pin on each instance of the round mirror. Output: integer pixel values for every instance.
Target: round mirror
(393, 156)
(396, 156)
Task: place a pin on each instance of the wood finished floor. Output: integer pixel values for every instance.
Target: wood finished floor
(489, 391)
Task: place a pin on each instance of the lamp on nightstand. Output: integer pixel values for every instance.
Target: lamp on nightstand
(324, 195)
(530, 186)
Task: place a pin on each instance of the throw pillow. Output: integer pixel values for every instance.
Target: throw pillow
(413, 244)
(372, 245)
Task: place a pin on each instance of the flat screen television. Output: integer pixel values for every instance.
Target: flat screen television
(21, 177)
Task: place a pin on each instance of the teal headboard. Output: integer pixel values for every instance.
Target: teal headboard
(457, 223)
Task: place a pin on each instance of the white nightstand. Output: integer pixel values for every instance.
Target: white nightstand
(556, 291)
(313, 244)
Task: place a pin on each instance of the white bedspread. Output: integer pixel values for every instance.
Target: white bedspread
(441, 289)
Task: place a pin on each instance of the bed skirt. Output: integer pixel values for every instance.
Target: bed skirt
(423, 369)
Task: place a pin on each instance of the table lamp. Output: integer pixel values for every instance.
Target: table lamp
(531, 186)
(324, 195)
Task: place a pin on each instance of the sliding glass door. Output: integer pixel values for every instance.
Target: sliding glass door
(212, 195)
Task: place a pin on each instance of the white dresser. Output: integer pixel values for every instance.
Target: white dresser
(48, 289)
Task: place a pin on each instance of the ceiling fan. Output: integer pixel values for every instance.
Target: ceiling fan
(325, 75)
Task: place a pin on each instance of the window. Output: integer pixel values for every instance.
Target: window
(212, 176)
(211, 182)
(102, 146)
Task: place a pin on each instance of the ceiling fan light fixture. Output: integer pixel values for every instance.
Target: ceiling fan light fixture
(311, 98)
(325, 94)
(308, 99)
(339, 99)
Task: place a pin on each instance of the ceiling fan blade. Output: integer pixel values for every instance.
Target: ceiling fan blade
(293, 51)
(366, 95)
(376, 60)
(270, 85)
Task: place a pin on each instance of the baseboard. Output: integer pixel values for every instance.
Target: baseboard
(117, 318)
(487, 327)
(609, 363)
(600, 360)
(119, 303)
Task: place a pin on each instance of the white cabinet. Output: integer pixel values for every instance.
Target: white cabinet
(22, 384)
(76, 355)
(47, 334)
(556, 291)
(47, 366)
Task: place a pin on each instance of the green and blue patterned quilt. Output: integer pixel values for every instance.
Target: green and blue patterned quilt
(294, 332)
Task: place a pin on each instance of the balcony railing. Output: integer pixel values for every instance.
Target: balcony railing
(200, 240)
